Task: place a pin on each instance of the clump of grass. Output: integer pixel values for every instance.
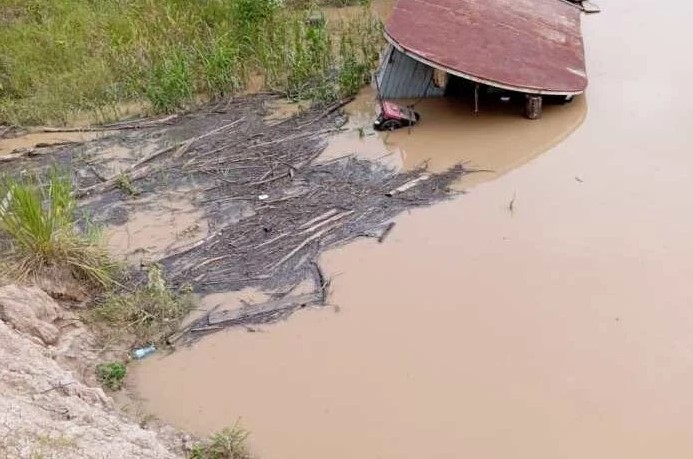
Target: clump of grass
(230, 443)
(39, 233)
(149, 313)
(170, 84)
(124, 183)
(221, 67)
(111, 375)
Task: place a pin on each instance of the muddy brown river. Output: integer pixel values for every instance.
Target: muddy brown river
(562, 329)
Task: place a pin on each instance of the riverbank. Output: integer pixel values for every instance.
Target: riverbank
(71, 61)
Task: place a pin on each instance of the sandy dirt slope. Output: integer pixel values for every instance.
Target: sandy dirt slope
(46, 409)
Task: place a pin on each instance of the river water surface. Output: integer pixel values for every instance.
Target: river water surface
(562, 329)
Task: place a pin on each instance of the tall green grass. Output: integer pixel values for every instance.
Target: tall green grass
(39, 235)
(60, 58)
(230, 443)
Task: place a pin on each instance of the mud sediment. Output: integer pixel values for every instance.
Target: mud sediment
(267, 206)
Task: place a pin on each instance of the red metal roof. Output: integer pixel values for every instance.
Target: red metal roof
(523, 45)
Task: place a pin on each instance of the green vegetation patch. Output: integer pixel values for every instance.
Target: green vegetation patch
(61, 58)
(230, 443)
(149, 313)
(111, 375)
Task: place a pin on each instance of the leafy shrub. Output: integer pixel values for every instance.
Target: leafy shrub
(111, 375)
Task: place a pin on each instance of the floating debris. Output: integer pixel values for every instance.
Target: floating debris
(270, 205)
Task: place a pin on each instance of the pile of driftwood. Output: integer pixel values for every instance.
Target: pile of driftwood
(272, 205)
(293, 208)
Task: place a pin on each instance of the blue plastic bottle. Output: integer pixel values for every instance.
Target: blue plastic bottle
(143, 352)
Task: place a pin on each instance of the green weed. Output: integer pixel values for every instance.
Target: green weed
(39, 234)
(230, 443)
(124, 183)
(111, 375)
(149, 313)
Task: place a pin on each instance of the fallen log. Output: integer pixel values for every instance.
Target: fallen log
(140, 123)
(37, 150)
(57, 144)
(122, 126)
(75, 129)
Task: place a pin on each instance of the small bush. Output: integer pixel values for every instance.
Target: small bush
(39, 234)
(230, 443)
(124, 183)
(111, 375)
(150, 313)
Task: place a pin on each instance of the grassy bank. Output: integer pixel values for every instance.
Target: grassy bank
(60, 58)
(43, 238)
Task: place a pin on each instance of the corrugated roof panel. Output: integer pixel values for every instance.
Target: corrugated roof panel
(522, 45)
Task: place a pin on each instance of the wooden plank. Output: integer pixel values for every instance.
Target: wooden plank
(410, 184)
